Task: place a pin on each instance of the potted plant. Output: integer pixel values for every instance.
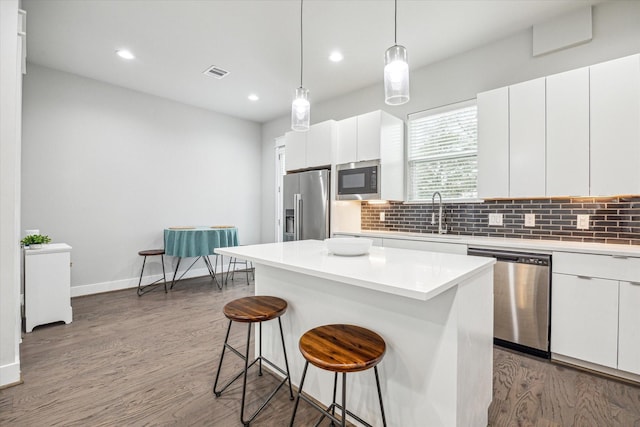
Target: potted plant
(35, 241)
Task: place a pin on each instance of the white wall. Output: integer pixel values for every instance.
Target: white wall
(616, 33)
(106, 169)
(9, 194)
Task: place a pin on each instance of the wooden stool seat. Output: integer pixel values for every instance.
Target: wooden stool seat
(151, 252)
(250, 310)
(342, 348)
(255, 309)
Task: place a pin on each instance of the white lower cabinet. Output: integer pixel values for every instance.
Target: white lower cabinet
(629, 329)
(584, 319)
(419, 245)
(47, 285)
(594, 311)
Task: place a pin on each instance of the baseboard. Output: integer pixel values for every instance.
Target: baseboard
(116, 285)
(597, 369)
(10, 375)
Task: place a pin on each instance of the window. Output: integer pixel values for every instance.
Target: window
(442, 153)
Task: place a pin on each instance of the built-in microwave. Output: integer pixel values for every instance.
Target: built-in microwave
(358, 180)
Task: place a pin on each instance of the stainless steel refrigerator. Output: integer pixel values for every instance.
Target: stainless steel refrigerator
(306, 205)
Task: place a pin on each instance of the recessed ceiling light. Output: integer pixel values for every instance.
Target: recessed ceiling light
(336, 56)
(123, 53)
(253, 97)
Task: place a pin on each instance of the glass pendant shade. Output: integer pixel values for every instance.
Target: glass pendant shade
(300, 110)
(396, 76)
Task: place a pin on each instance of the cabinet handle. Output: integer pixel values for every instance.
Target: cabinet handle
(620, 256)
(584, 277)
(634, 283)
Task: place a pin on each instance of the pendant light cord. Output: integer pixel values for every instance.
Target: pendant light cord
(301, 41)
(395, 24)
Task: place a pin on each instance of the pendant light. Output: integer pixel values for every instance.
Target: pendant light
(396, 70)
(300, 108)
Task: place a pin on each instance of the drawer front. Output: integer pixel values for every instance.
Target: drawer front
(449, 248)
(604, 266)
(377, 241)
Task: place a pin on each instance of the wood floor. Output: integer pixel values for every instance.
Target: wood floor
(129, 361)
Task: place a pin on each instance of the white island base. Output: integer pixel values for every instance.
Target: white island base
(438, 367)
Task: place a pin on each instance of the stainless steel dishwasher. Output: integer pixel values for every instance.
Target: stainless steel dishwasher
(521, 291)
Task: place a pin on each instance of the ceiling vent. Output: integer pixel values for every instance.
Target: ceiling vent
(215, 72)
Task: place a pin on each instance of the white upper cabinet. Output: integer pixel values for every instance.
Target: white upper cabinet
(567, 159)
(527, 139)
(313, 148)
(347, 149)
(295, 149)
(321, 142)
(375, 136)
(369, 135)
(363, 137)
(493, 143)
(570, 134)
(615, 127)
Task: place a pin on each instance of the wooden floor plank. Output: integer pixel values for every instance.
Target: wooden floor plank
(151, 360)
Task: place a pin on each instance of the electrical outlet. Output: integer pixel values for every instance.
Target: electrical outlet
(382, 216)
(529, 220)
(495, 219)
(583, 222)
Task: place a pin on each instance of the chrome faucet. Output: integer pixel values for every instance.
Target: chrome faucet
(441, 230)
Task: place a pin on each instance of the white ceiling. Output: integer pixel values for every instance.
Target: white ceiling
(258, 41)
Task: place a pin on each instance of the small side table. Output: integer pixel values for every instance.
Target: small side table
(47, 285)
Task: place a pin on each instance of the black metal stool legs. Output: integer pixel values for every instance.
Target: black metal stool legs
(384, 420)
(151, 286)
(248, 365)
(330, 411)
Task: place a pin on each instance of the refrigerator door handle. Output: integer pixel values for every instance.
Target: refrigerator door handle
(300, 219)
(296, 216)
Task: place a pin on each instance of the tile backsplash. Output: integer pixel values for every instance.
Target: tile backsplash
(611, 220)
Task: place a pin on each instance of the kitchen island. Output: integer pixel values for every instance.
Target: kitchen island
(434, 310)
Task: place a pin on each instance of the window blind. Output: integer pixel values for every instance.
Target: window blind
(442, 153)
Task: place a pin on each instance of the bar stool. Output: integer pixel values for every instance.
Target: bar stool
(254, 309)
(345, 349)
(146, 288)
(235, 261)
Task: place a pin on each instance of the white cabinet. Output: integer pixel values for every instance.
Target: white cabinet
(615, 127)
(584, 318)
(375, 136)
(595, 316)
(629, 329)
(511, 141)
(313, 148)
(370, 134)
(347, 150)
(493, 143)
(47, 285)
(571, 134)
(421, 245)
(567, 155)
(367, 136)
(295, 149)
(527, 139)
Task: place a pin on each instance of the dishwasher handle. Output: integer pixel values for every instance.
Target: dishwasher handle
(507, 256)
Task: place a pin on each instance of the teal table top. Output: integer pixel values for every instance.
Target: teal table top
(198, 241)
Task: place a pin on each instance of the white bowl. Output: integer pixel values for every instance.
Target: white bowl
(348, 246)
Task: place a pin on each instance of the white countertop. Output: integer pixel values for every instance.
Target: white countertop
(544, 246)
(413, 274)
(48, 248)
